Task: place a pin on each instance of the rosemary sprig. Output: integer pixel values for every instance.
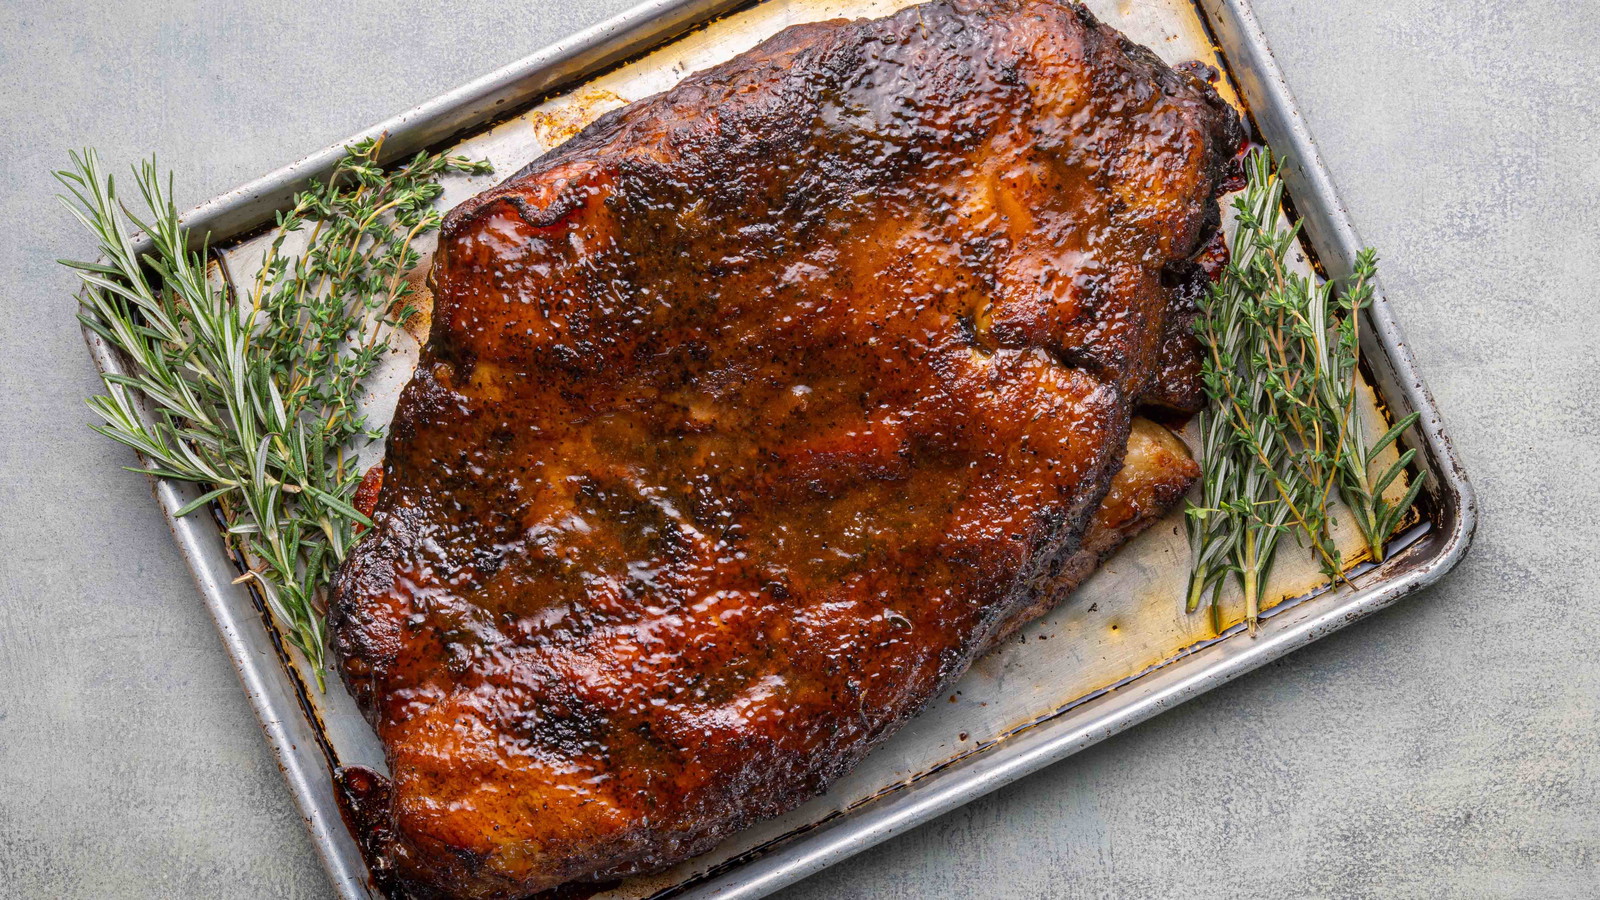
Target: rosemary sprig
(254, 396)
(1283, 430)
(1250, 491)
(1374, 516)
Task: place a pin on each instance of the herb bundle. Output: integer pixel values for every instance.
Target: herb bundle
(254, 395)
(1283, 429)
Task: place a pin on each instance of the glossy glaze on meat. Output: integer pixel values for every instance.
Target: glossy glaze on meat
(749, 417)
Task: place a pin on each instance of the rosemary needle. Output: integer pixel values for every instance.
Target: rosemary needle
(254, 395)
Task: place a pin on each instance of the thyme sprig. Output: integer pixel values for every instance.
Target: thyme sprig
(254, 395)
(1283, 430)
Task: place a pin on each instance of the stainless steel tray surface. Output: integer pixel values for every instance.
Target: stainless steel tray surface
(1119, 652)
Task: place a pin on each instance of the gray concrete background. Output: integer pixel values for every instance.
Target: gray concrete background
(1446, 748)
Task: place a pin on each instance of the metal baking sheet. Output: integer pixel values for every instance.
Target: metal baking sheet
(1121, 650)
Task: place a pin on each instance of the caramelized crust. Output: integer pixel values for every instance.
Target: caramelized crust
(749, 417)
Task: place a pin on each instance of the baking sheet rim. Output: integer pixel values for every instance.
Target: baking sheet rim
(293, 737)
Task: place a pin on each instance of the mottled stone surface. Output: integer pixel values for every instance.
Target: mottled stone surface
(1447, 748)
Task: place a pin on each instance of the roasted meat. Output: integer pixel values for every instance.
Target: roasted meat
(1156, 472)
(750, 416)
